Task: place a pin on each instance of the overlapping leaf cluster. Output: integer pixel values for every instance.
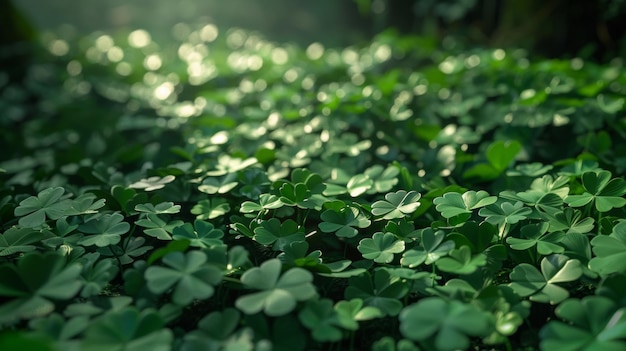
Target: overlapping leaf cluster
(245, 195)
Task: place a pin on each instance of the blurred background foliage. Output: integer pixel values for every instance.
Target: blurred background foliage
(590, 29)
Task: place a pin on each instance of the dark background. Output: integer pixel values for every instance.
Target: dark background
(554, 28)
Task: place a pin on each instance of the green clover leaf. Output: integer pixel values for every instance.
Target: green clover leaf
(161, 208)
(157, 227)
(343, 222)
(189, 274)
(152, 183)
(610, 251)
(48, 203)
(351, 312)
(526, 280)
(461, 261)
(605, 192)
(219, 185)
(29, 295)
(535, 235)
(128, 329)
(211, 208)
(592, 323)
(320, 317)
(382, 291)
(103, 231)
(277, 233)
(279, 293)
(454, 204)
(19, 240)
(202, 234)
(448, 325)
(380, 247)
(432, 247)
(569, 220)
(396, 205)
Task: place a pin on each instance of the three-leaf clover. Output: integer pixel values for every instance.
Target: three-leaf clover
(188, 274)
(277, 233)
(447, 325)
(397, 205)
(128, 330)
(536, 235)
(103, 231)
(30, 287)
(18, 240)
(431, 248)
(605, 192)
(211, 208)
(610, 251)
(152, 183)
(526, 280)
(202, 234)
(380, 247)
(279, 293)
(592, 323)
(382, 291)
(461, 261)
(454, 204)
(48, 203)
(343, 222)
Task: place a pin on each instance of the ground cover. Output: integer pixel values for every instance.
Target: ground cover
(226, 192)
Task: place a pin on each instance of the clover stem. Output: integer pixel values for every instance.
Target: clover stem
(232, 280)
(507, 344)
(503, 231)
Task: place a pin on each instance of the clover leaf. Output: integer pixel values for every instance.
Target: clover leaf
(188, 274)
(265, 202)
(383, 179)
(505, 215)
(30, 287)
(432, 247)
(220, 324)
(388, 343)
(535, 235)
(84, 204)
(157, 227)
(211, 208)
(202, 234)
(152, 183)
(454, 204)
(380, 247)
(570, 220)
(296, 254)
(219, 185)
(604, 192)
(48, 203)
(277, 233)
(161, 208)
(592, 323)
(279, 293)
(526, 280)
(396, 205)
(382, 291)
(448, 325)
(461, 261)
(500, 154)
(20, 240)
(96, 273)
(359, 184)
(103, 231)
(351, 312)
(320, 317)
(128, 330)
(610, 251)
(343, 222)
